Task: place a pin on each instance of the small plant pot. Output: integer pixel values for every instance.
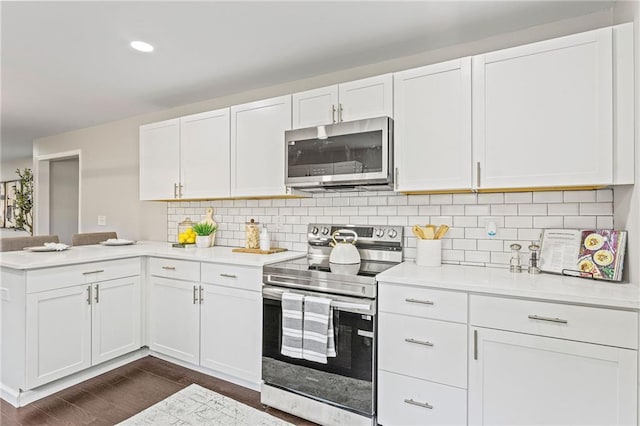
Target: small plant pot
(204, 241)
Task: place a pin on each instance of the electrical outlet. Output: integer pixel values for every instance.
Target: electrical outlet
(102, 220)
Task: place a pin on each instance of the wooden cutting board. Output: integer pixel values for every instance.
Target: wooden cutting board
(258, 251)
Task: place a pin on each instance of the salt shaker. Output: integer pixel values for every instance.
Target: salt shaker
(534, 247)
(514, 263)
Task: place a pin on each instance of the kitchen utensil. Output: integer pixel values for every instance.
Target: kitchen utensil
(418, 232)
(344, 252)
(442, 229)
(429, 232)
(344, 269)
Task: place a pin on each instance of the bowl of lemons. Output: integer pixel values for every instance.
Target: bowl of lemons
(187, 237)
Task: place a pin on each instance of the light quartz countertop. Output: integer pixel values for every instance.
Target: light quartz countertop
(498, 281)
(26, 260)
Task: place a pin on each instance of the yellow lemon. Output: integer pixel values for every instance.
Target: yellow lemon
(191, 239)
(182, 238)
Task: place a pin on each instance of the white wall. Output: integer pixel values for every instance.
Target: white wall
(8, 168)
(109, 175)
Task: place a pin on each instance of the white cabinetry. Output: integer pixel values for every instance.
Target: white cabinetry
(422, 356)
(231, 335)
(174, 308)
(543, 113)
(186, 157)
(432, 129)
(355, 100)
(527, 376)
(71, 326)
(257, 147)
(208, 315)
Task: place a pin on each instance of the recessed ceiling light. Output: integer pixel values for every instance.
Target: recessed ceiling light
(142, 46)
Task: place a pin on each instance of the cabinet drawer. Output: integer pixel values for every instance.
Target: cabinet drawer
(86, 273)
(582, 323)
(423, 348)
(179, 269)
(408, 401)
(244, 277)
(423, 302)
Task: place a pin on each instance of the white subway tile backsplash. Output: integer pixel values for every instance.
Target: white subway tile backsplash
(579, 196)
(519, 218)
(518, 197)
(587, 209)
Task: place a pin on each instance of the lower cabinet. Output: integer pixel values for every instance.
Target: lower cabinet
(520, 379)
(73, 328)
(214, 322)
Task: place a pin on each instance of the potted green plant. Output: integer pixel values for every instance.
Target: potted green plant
(205, 234)
(24, 201)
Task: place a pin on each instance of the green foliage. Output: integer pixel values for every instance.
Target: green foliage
(204, 228)
(24, 200)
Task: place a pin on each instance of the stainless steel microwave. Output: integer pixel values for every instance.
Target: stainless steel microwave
(348, 155)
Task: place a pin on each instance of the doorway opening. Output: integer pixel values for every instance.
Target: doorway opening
(57, 192)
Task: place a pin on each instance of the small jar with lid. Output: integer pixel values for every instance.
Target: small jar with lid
(184, 232)
(252, 230)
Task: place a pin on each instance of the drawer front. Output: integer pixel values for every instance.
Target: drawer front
(581, 323)
(235, 276)
(423, 302)
(423, 348)
(86, 273)
(408, 401)
(171, 268)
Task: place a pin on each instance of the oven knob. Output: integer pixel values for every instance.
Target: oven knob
(314, 230)
(325, 231)
(392, 233)
(380, 233)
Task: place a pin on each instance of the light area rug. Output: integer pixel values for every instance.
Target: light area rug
(195, 405)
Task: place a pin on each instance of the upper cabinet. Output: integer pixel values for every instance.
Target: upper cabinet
(160, 160)
(257, 147)
(542, 114)
(366, 98)
(185, 158)
(433, 127)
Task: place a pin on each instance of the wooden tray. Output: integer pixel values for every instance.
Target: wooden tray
(258, 251)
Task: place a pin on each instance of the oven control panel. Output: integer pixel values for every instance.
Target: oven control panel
(319, 232)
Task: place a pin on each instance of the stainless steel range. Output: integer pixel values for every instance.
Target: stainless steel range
(342, 390)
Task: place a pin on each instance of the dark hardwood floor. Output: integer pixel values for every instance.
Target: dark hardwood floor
(119, 394)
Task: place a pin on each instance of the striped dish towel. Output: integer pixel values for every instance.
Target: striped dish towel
(292, 307)
(318, 339)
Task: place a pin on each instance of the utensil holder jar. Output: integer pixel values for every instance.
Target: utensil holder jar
(429, 252)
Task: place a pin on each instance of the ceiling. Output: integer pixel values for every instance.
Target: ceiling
(68, 65)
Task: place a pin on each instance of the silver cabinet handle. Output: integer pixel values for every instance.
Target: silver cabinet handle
(88, 295)
(539, 318)
(478, 174)
(422, 302)
(333, 113)
(229, 275)
(175, 190)
(419, 404)
(97, 293)
(195, 294)
(475, 344)
(169, 268)
(395, 184)
(201, 294)
(419, 342)
(180, 186)
(97, 271)
(340, 109)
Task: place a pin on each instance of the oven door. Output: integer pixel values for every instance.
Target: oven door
(346, 381)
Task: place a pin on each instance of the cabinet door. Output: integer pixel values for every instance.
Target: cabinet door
(58, 334)
(315, 107)
(257, 147)
(231, 332)
(433, 127)
(174, 318)
(543, 113)
(366, 98)
(204, 154)
(115, 318)
(521, 379)
(159, 160)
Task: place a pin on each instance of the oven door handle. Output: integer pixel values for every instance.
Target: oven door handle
(341, 305)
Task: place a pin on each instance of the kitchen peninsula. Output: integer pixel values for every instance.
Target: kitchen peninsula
(71, 315)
